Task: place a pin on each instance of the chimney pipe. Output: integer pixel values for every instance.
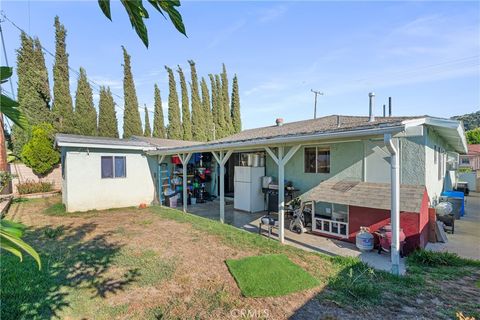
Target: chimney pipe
(384, 114)
(389, 106)
(371, 96)
(338, 121)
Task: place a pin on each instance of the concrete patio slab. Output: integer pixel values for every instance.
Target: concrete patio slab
(305, 241)
(466, 240)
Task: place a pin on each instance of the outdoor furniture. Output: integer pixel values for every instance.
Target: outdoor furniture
(270, 222)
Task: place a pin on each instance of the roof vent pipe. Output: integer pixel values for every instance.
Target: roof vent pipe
(338, 121)
(389, 106)
(279, 122)
(371, 96)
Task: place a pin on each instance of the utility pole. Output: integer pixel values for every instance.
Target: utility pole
(315, 109)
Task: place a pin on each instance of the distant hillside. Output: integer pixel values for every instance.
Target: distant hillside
(470, 121)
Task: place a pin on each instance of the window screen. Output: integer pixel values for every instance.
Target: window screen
(120, 168)
(323, 160)
(317, 160)
(310, 160)
(107, 167)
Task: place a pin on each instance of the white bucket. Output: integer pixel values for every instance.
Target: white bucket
(173, 202)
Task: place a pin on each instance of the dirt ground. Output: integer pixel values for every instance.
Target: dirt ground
(201, 286)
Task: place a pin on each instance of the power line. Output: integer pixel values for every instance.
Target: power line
(96, 86)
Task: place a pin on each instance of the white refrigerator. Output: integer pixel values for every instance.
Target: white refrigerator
(248, 195)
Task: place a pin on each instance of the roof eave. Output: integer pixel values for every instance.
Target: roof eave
(102, 146)
(280, 140)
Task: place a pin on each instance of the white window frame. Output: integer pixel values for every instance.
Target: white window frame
(113, 167)
(330, 223)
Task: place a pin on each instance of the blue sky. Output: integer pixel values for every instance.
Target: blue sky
(426, 55)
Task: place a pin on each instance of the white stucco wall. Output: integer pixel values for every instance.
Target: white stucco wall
(84, 189)
(433, 184)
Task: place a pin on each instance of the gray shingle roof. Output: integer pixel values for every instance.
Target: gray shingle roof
(333, 123)
(366, 194)
(166, 143)
(73, 138)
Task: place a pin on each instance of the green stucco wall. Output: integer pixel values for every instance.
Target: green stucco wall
(346, 161)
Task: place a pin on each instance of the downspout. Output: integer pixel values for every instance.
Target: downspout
(395, 202)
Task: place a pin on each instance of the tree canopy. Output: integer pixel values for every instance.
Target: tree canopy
(85, 113)
(107, 118)
(132, 125)
(159, 130)
(137, 14)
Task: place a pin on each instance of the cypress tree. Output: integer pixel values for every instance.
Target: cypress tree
(236, 118)
(186, 120)
(209, 124)
(213, 85)
(222, 125)
(85, 113)
(148, 130)
(174, 130)
(225, 102)
(198, 116)
(63, 116)
(42, 85)
(33, 90)
(132, 125)
(158, 122)
(107, 118)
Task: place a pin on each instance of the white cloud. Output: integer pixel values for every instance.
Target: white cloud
(273, 13)
(227, 32)
(113, 83)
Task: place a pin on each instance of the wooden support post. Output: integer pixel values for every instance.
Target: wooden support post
(281, 160)
(184, 158)
(222, 189)
(281, 195)
(222, 159)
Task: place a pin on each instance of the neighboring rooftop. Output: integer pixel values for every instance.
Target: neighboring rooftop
(473, 149)
(366, 194)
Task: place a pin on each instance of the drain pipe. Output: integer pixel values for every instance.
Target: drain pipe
(395, 202)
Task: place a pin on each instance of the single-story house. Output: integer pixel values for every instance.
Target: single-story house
(384, 154)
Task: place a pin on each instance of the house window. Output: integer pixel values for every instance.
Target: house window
(113, 167)
(465, 161)
(317, 160)
(330, 218)
(120, 168)
(440, 164)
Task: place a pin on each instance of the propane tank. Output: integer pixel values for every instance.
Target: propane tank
(364, 239)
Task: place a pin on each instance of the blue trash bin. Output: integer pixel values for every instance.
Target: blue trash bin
(456, 196)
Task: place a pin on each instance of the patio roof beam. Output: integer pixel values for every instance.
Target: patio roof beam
(184, 158)
(222, 159)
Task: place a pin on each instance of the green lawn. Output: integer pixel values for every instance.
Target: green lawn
(269, 276)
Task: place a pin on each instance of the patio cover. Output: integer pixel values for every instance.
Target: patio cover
(365, 194)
